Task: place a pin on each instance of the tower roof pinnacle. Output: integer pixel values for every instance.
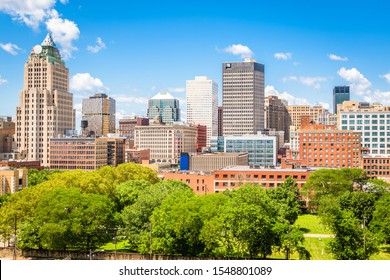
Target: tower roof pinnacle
(48, 41)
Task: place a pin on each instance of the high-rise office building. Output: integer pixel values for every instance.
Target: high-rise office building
(99, 112)
(276, 115)
(46, 106)
(242, 97)
(340, 94)
(165, 106)
(202, 104)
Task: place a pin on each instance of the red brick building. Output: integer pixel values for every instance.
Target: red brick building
(330, 148)
(236, 176)
(200, 183)
(201, 137)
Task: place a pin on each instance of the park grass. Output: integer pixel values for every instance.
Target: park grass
(121, 246)
(310, 223)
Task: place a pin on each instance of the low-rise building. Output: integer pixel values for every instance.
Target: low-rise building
(86, 153)
(236, 176)
(212, 161)
(12, 180)
(200, 182)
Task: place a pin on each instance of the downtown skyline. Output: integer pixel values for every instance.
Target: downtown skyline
(132, 51)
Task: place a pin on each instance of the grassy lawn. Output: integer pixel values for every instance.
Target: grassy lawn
(121, 246)
(310, 223)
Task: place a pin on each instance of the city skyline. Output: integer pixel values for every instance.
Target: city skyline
(144, 49)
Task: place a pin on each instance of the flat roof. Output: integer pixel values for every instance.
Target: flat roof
(260, 168)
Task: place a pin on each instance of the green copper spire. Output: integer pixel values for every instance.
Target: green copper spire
(48, 51)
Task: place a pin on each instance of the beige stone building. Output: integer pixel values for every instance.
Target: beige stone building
(46, 106)
(166, 142)
(12, 180)
(211, 162)
(315, 113)
(86, 153)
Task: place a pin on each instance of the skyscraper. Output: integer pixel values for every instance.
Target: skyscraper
(243, 97)
(202, 104)
(99, 111)
(46, 106)
(340, 94)
(165, 106)
(276, 115)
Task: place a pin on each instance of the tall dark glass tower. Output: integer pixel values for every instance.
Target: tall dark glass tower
(340, 94)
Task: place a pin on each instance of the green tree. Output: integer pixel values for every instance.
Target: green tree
(380, 223)
(326, 182)
(139, 199)
(176, 225)
(289, 237)
(251, 218)
(353, 240)
(36, 177)
(68, 218)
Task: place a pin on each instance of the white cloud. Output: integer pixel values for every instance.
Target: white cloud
(63, 32)
(98, 47)
(130, 99)
(10, 48)
(324, 104)
(359, 83)
(176, 90)
(337, 58)
(309, 81)
(386, 76)
(292, 100)
(283, 56)
(85, 83)
(382, 97)
(3, 81)
(30, 12)
(240, 50)
(35, 12)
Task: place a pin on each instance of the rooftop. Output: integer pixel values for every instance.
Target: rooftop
(260, 168)
(163, 95)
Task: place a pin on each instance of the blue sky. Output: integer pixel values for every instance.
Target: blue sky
(133, 49)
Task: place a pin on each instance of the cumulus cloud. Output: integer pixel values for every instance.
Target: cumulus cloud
(34, 12)
(176, 89)
(130, 99)
(98, 47)
(240, 50)
(386, 76)
(309, 81)
(359, 84)
(3, 81)
(64, 32)
(10, 48)
(85, 83)
(292, 100)
(283, 56)
(30, 12)
(337, 58)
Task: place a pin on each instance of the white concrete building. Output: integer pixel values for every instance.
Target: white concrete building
(371, 121)
(202, 104)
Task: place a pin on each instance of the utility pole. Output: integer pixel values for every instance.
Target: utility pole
(150, 241)
(364, 236)
(15, 237)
